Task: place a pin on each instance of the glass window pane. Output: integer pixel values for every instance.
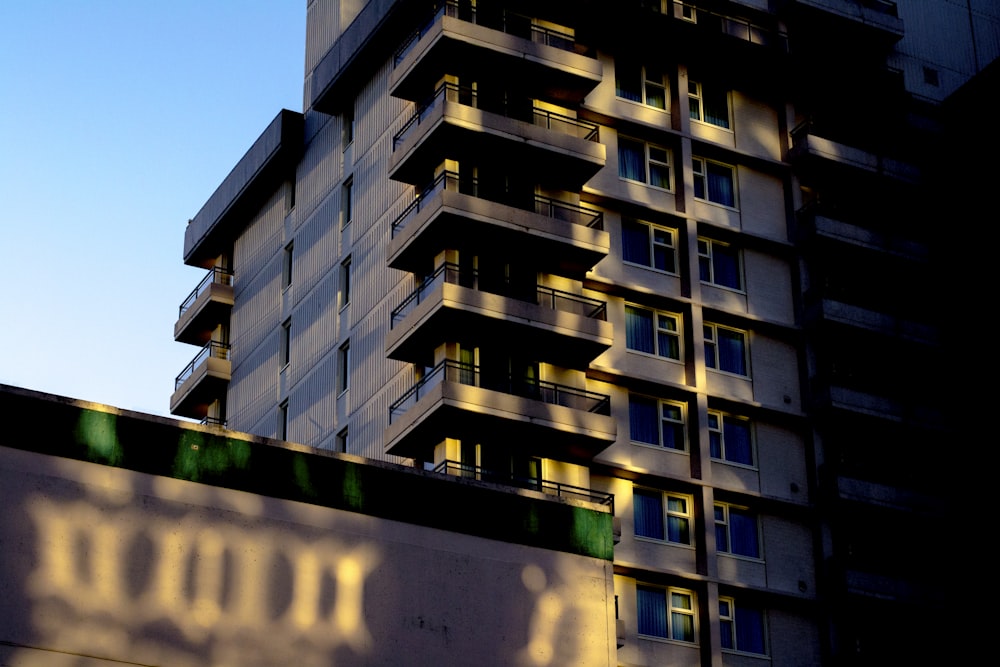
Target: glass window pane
(749, 629)
(732, 357)
(682, 627)
(648, 514)
(635, 242)
(737, 436)
(659, 176)
(678, 530)
(720, 185)
(726, 266)
(743, 533)
(642, 420)
(639, 329)
(652, 612)
(627, 81)
(631, 160)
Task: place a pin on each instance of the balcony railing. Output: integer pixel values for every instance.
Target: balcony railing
(217, 276)
(525, 387)
(559, 489)
(511, 23)
(550, 208)
(737, 27)
(544, 296)
(213, 421)
(450, 92)
(213, 349)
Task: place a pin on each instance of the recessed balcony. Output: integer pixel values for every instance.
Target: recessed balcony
(465, 471)
(869, 19)
(559, 237)
(535, 142)
(202, 381)
(455, 400)
(816, 144)
(546, 62)
(207, 306)
(565, 329)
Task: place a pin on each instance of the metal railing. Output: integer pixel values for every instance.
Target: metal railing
(458, 469)
(525, 387)
(550, 208)
(212, 349)
(215, 275)
(451, 92)
(212, 421)
(511, 23)
(732, 26)
(543, 296)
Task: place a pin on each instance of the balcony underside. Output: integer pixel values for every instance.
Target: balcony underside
(818, 153)
(466, 134)
(455, 410)
(449, 311)
(454, 220)
(876, 321)
(846, 22)
(466, 50)
(211, 308)
(206, 384)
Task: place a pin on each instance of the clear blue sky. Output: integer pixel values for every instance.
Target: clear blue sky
(118, 120)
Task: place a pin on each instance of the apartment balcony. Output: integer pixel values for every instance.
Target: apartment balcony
(826, 145)
(207, 306)
(455, 400)
(202, 381)
(565, 329)
(458, 469)
(863, 227)
(827, 306)
(547, 63)
(538, 142)
(560, 238)
(849, 20)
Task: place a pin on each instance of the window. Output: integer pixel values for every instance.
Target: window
(345, 282)
(725, 349)
(646, 85)
(286, 267)
(342, 440)
(719, 264)
(741, 627)
(711, 106)
(285, 344)
(648, 245)
(283, 420)
(650, 508)
(346, 202)
(655, 422)
(736, 531)
(729, 438)
(652, 332)
(646, 163)
(344, 367)
(667, 613)
(714, 182)
(348, 128)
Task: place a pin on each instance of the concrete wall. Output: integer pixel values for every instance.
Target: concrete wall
(104, 561)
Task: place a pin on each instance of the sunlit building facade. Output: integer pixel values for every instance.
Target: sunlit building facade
(673, 257)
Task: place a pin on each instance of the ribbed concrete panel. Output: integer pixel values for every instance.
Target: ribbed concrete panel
(312, 405)
(376, 113)
(314, 329)
(322, 28)
(315, 245)
(370, 420)
(254, 322)
(320, 168)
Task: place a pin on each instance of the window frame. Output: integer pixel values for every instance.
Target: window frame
(726, 524)
(683, 519)
(722, 419)
(345, 282)
(344, 368)
(713, 342)
(657, 316)
(677, 425)
(285, 344)
(651, 245)
(347, 202)
(648, 163)
(644, 82)
(729, 627)
(701, 177)
(287, 265)
(283, 420)
(670, 612)
(697, 105)
(709, 264)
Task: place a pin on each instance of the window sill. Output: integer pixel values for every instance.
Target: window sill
(742, 292)
(664, 272)
(650, 185)
(734, 464)
(642, 105)
(654, 356)
(748, 559)
(728, 373)
(667, 640)
(714, 126)
(660, 448)
(665, 543)
(711, 203)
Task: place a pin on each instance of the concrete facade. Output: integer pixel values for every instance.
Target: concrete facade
(127, 538)
(661, 251)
